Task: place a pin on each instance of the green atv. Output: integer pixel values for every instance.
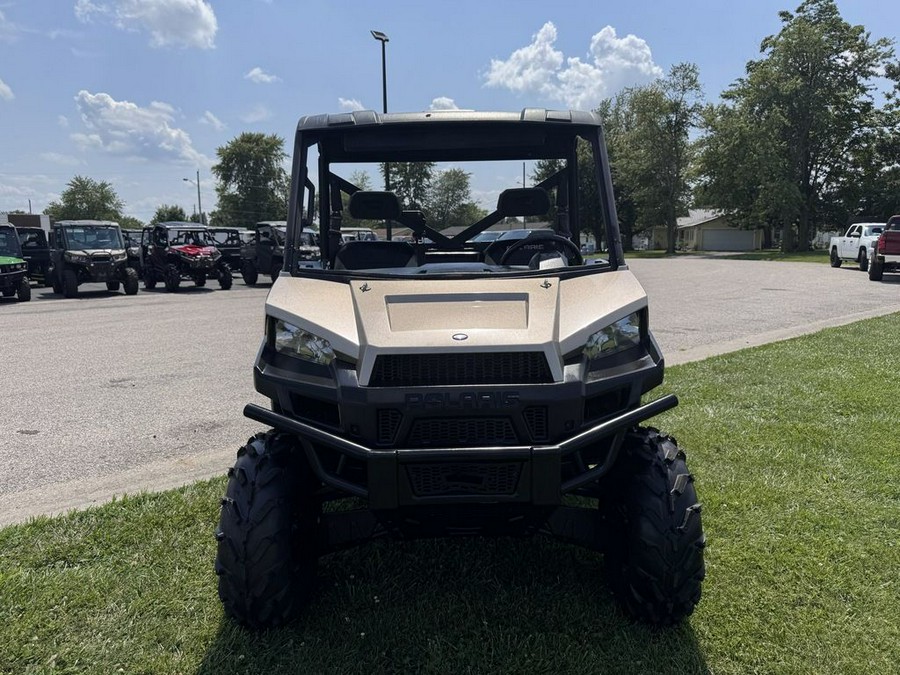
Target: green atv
(13, 268)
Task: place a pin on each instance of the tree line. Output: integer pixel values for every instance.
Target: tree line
(808, 138)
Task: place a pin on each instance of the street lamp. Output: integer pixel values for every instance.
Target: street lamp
(383, 39)
(197, 183)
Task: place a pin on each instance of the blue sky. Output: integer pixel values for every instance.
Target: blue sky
(140, 93)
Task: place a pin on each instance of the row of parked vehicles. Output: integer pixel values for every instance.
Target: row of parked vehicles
(169, 254)
(875, 247)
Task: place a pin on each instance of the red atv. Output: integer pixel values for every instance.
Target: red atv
(175, 251)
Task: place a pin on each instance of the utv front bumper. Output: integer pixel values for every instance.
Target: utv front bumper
(401, 477)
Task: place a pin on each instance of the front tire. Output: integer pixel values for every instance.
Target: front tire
(24, 291)
(863, 260)
(835, 261)
(200, 280)
(225, 277)
(654, 544)
(69, 284)
(112, 286)
(876, 270)
(266, 557)
(149, 279)
(249, 273)
(131, 281)
(172, 278)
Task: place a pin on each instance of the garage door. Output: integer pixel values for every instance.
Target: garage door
(728, 240)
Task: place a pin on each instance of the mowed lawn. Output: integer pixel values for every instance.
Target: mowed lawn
(795, 448)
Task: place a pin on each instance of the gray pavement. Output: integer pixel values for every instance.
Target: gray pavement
(173, 372)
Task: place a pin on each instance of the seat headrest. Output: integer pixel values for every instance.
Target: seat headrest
(372, 205)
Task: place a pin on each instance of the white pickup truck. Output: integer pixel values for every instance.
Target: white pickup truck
(855, 244)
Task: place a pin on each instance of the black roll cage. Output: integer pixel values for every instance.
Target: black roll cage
(367, 137)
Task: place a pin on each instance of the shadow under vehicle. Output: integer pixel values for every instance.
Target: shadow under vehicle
(176, 251)
(433, 389)
(13, 268)
(90, 251)
(36, 252)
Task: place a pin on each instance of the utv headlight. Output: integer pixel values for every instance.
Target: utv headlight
(119, 256)
(294, 341)
(614, 338)
(76, 256)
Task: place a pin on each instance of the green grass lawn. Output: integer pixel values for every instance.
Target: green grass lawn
(795, 451)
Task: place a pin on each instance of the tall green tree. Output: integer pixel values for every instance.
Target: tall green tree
(168, 213)
(85, 199)
(410, 181)
(253, 184)
(448, 200)
(805, 113)
(654, 154)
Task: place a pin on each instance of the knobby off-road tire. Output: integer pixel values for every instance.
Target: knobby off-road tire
(275, 272)
(200, 281)
(225, 277)
(863, 260)
(69, 284)
(876, 270)
(57, 284)
(172, 278)
(9, 292)
(835, 261)
(112, 286)
(149, 279)
(267, 550)
(249, 273)
(130, 284)
(654, 538)
(24, 290)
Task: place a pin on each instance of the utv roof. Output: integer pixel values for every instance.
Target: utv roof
(361, 118)
(451, 135)
(85, 223)
(176, 225)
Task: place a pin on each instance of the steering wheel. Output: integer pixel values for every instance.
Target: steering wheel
(545, 244)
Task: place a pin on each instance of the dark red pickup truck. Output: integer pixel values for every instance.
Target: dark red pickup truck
(885, 254)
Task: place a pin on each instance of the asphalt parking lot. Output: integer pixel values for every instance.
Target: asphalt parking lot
(111, 394)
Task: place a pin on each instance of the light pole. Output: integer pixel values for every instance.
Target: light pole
(383, 39)
(199, 206)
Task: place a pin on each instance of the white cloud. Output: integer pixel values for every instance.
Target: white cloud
(5, 92)
(8, 30)
(179, 23)
(260, 77)
(212, 120)
(58, 158)
(62, 121)
(125, 128)
(540, 69)
(350, 104)
(443, 103)
(258, 113)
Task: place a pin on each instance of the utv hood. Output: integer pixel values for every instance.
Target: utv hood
(363, 319)
(10, 260)
(191, 250)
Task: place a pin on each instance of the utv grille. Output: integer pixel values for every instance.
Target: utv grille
(536, 420)
(464, 432)
(388, 422)
(435, 370)
(428, 480)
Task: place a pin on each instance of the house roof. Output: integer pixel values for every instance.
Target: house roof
(698, 217)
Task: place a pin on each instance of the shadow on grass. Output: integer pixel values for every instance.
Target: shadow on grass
(461, 606)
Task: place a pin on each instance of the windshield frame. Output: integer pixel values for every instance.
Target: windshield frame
(368, 137)
(70, 243)
(13, 235)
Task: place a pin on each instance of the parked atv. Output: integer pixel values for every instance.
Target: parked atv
(177, 251)
(436, 389)
(36, 252)
(230, 241)
(265, 253)
(13, 268)
(90, 251)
